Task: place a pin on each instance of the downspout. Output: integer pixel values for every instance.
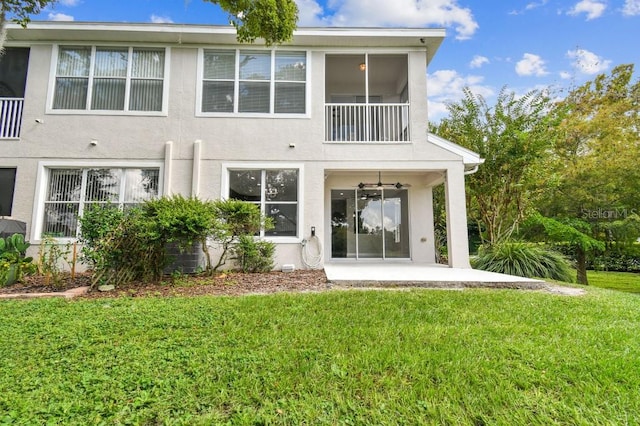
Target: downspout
(168, 154)
(195, 178)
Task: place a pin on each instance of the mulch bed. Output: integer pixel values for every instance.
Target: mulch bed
(223, 284)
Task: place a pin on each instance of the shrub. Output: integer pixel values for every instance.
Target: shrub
(254, 255)
(51, 258)
(184, 221)
(523, 260)
(236, 218)
(14, 263)
(121, 246)
(124, 246)
(617, 257)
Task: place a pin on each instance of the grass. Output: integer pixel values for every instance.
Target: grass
(353, 357)
(621, 281)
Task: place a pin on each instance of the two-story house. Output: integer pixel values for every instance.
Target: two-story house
(328, 134)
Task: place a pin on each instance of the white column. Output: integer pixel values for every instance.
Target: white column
(456, 207)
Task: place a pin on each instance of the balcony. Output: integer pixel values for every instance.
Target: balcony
(10, 117)
(367, 98)
(367, 123)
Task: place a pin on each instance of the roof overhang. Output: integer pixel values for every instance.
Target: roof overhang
(470, 158)
(188, 34)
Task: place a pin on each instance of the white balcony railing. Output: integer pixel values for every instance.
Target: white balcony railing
(10, 117)
(367, 123)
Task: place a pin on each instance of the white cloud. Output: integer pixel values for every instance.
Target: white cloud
(156, 19)
(478, 61)
(529, 6)
(631, 8)
(59, 17)
(593, 8)
(310, 14)
(588, 62)
(381, 13)
(565, 75)
(446, 86)
(69, 3)
(531, 64)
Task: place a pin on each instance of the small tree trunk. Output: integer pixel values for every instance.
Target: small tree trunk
(581, 266)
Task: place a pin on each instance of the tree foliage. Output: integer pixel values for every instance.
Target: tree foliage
(513, 138)
(272, 20)
(595, 176)
(20, 11)
(598, 149)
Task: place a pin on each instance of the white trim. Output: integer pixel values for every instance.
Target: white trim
(469, 158)
(224, 187)
(42, 180)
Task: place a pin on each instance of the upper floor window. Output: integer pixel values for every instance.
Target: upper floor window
(254, 81)
(109, 79)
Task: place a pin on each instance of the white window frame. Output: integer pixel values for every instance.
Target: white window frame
(272, 81)
(224, 193)
(42, 184)
(129, 78)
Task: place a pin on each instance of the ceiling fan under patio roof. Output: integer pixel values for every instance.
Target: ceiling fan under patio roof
(381, 185)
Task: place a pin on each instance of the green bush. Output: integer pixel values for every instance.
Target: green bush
(124, 246)
(121, 246)
(14, 263)
(617, 257)
(254, 255)
(523, 260)
(236, 218)
(184, 221)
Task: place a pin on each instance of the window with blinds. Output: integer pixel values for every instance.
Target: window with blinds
(254, 81)
(109, 79)
(71, 191)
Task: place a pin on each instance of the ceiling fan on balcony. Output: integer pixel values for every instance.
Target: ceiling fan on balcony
(381, 185)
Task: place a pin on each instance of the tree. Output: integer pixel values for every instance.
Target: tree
(272, 20)
(20, 12)
(513, 138)
(573, 232)
(597, 152)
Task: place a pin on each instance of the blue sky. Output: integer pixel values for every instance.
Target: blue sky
(523, 45)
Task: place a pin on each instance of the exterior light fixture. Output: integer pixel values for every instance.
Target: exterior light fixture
(362, 66)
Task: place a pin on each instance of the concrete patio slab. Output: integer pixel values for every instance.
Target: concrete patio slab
(364, 274)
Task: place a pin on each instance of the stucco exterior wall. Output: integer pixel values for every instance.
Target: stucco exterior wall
(199, 148)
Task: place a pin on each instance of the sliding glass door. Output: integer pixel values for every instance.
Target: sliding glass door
(369, 224)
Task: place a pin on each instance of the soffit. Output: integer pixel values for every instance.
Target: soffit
(176, 34)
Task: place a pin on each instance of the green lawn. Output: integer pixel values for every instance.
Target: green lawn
(470, 357)
(622, 281)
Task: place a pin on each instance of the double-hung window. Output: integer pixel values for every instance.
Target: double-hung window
(275, 191)
(254, 82)
(94, 78)
(70, 191)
